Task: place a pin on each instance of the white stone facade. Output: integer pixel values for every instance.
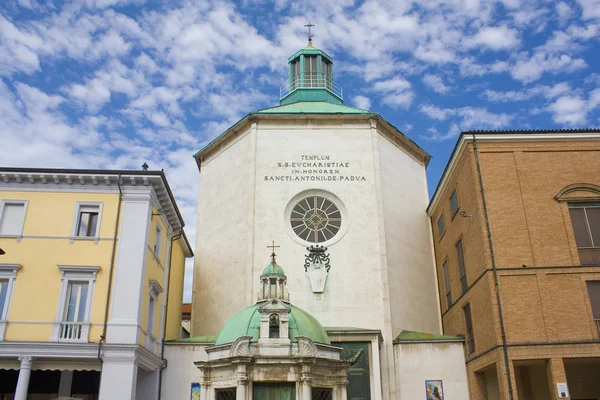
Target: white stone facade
(382, 272)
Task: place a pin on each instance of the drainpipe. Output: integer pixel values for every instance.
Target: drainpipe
(489, 235)
(112, 267)
(162, 346)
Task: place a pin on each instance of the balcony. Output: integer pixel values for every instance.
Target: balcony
(589, 255)
(73, 332)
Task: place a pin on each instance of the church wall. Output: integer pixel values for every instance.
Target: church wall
(418, 362)
(408, 241)
(181, 371)
(353, 293)
(221, 238)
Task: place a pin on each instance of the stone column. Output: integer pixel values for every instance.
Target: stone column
(204, 388)
(66, 381)
(24, 374)
(555, 370)
(242, 382)
(306, 388)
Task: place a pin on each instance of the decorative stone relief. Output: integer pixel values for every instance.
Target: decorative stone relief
(306, 347)
(316, 265)
(241, 347)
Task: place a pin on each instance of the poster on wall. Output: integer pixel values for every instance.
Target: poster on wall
(563, 390)
(195, 391)
(434, 390)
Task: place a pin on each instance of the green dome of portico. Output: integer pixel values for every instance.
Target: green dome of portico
(247, 323)
(273, 269)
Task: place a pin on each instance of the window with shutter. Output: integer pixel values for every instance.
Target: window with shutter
(585, 218)
(12, 217)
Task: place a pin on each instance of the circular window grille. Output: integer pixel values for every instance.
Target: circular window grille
(315, 219)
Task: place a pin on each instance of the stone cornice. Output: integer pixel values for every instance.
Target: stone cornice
(103, 181)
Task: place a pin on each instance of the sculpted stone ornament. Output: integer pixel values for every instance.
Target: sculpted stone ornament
(241, 347)
(317, 267)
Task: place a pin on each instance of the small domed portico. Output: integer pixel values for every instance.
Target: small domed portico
(273, 348)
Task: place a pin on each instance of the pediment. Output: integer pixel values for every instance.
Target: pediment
(579, 192)
(274, 305)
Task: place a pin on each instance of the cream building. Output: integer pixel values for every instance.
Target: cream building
(342, 193)
(90, 283)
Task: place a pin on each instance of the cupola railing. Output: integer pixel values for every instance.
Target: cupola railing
(311, 81)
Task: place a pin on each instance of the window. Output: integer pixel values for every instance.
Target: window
(441, 227)
(585, 218)
(75, 303)
(310, 71)
(87, 222)
(315, 219)
(321, 394)
(469, 325)
(453, 203)
(8, 274)
(593, 288)
(155, 290)
(461, 266)
(274, 326)
(225, 394)
(151, 313)
(3, 292)
(447, 284)
(12, 217)
(157, 241)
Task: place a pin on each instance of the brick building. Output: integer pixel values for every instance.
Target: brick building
(516, 228)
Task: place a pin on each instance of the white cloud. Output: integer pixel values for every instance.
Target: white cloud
(564, 12)
(436, 83)
(496, 38)
(362, 102)
(468, 117)
(574, 110)
(590, 9)
(529, 69)
(549, 92)
(396, 92)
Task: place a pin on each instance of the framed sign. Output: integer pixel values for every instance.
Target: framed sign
(563, 390)
(195, 391)
(434, 390)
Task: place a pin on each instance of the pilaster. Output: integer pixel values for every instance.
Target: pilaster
(130, 266)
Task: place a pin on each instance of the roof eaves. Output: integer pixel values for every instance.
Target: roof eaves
(219, 137)
(473, 133)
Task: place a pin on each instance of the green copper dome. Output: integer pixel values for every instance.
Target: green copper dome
(273, 269)
(247, 323)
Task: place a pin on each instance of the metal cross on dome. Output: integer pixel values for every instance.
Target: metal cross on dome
(310, 35)
(273, 255)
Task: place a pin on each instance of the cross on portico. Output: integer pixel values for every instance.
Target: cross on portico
(310, 35)
(273, 255)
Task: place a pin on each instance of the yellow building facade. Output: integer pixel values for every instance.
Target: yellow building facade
(91, 282)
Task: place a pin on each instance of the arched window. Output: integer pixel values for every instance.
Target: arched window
(274, 326)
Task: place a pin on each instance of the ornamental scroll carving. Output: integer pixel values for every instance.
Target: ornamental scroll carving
(306, 347)
(241, 347)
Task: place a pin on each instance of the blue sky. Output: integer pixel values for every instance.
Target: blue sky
(116, 83)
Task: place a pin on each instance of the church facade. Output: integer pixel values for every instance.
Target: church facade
(342, 195)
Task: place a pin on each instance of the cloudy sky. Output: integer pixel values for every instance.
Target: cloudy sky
(116, 83)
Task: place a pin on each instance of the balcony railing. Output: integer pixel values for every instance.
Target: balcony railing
(589, 255)
(72, 331)
(311, 81)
